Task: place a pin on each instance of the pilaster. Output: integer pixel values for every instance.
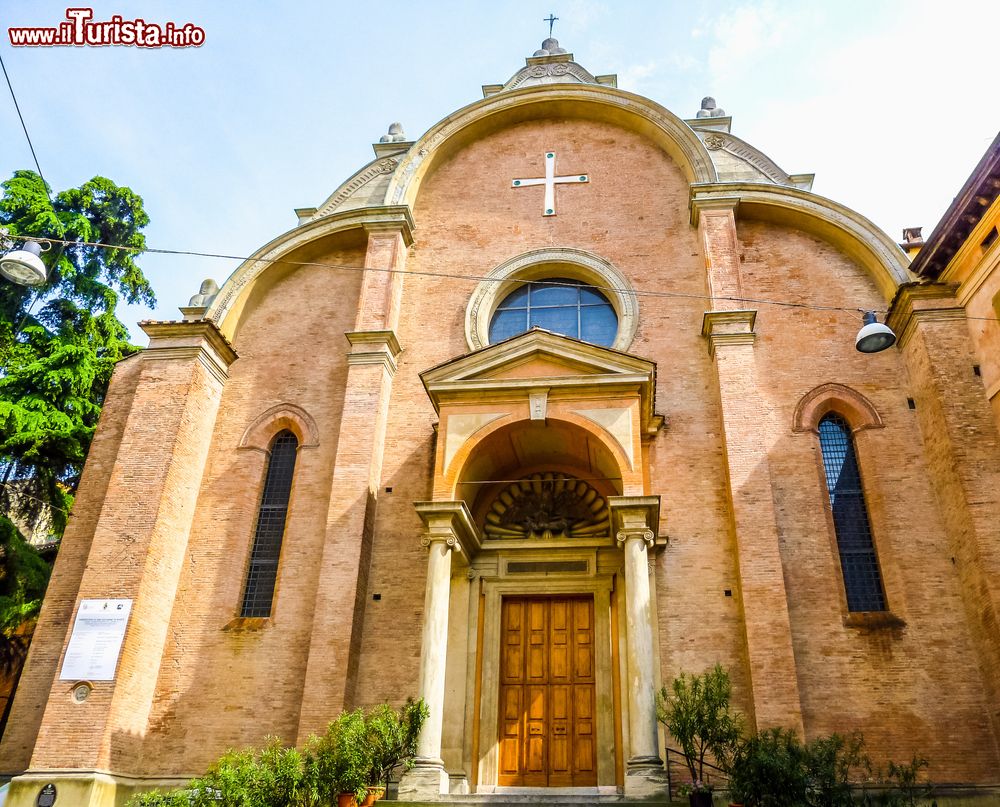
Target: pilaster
(371, 363)
(716, 222)
(963, 452)
(137, 550)
(731, 339)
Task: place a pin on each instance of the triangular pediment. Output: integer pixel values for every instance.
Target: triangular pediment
(537, 354)
(541, 359)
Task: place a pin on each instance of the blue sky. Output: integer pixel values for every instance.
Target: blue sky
(891, 104)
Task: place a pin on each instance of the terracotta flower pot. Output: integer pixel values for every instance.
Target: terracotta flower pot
(374, 794)
(346, 800)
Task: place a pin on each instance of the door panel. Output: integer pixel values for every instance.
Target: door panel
(547, 691)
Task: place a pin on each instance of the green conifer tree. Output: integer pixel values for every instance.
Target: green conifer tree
(58, 347)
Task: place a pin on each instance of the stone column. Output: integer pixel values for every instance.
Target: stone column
(338, 612)
(137, 543)
(636, 520)
(449, 531)
(963, 455)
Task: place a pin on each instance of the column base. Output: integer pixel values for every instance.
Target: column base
(89, 789)
(426, 780)
(645, 777)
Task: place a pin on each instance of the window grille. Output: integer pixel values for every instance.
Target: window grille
(862, 579)
(270, 527)
(561, 305)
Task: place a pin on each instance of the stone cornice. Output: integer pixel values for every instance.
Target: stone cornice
(201, 339)
(591, 369)
(450, 522)
(705, 204)
(728, 328)
(246, 274)
(922, 302)
(374, 347)
(589, 101)
(835, 223)
(635, 517)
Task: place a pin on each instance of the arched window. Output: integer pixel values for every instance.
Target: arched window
(562, 305)
(270, 527)
(862, 579)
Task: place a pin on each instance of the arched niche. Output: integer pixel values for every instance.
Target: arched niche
(511, 450)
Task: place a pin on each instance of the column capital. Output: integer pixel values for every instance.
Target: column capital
(728, 328)
(201, 339)
(392, 220)
(922, 302)
(449, 523)
(711, 204)
(374, 347)
(635, 517)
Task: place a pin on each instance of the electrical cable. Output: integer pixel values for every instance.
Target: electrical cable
(475, 278)
(445, 275)
(23, 125)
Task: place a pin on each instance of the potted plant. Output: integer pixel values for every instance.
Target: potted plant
(697, 712)
(392, 742)
(338, 762)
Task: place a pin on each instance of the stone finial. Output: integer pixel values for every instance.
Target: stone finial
(550, 47)
(203, 299)
(709, 109)
(396, 134)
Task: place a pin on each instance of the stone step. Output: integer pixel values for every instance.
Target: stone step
(526, 799)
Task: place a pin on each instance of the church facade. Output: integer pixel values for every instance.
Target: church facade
(512, 422)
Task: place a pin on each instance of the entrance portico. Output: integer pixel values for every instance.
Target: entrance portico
(539, 658)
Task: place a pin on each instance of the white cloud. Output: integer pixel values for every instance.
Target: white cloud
(634, 75)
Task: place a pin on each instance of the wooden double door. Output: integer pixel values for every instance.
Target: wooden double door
(548, 734)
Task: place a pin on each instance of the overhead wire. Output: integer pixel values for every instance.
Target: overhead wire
(421, 273)
(450, 276)
(479, 278)
(24, 126)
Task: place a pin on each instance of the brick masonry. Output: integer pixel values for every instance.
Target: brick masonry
(742, 493)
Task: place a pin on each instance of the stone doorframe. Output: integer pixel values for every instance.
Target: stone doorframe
(495, 589)
(450, 533)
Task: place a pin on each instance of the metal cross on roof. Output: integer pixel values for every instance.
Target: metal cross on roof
(550, 20)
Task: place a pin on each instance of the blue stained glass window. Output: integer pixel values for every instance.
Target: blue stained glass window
(560, 305)
(862, 579)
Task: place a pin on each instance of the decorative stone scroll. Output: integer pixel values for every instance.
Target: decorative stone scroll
(548, 505)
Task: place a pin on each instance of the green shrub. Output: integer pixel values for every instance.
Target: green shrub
(832, 764)
(392, 738)
(156, 798)
(357, 751)
(697, 713)
(769, 770)
(339, 761)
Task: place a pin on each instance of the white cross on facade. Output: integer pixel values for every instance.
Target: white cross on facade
(549, 181)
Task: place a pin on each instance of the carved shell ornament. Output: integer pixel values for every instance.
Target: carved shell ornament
(547, 505)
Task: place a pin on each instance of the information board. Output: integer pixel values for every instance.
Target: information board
(96, 641)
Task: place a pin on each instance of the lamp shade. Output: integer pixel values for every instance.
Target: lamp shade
(24, 266)
(874, 336)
